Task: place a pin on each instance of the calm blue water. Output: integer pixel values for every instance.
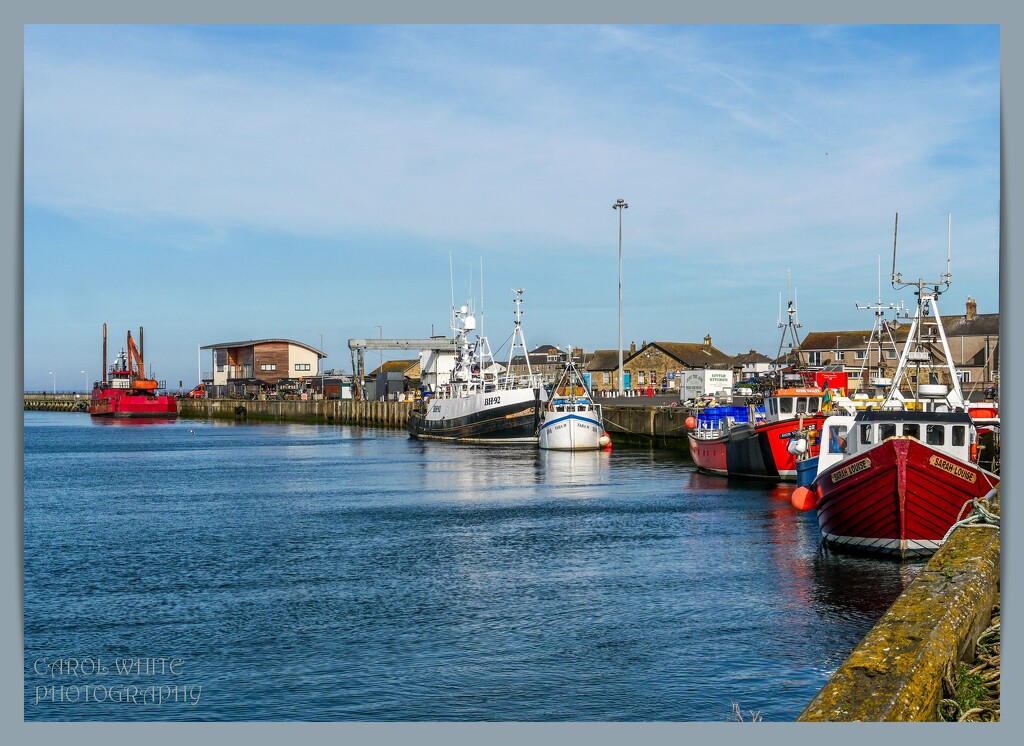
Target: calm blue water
(297, 572)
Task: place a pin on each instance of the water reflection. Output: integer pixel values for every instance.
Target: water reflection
(469, 471)
(853, 586)
(132, 421)
(701, 482)
(575, 468)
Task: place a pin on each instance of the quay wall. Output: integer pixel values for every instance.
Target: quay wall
(663, 427)
(387, 414)
(57, 402)
(895, 673)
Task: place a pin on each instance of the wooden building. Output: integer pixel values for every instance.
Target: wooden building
(261, 365)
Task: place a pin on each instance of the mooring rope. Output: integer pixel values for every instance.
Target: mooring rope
(980, 514)
(977, 689)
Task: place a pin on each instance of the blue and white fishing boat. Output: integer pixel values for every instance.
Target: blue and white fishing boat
(477, 403)
(571, 421)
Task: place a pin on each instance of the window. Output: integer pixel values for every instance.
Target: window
(268, 366)
(814, 358)
(912, 431)
(865, 434)
(654, 378)
(886, 430)
(801, 405)
(935, 435)
(786, 405)
(607, 378)
(302, 366)
(837, 439)
(964, 376)
(814, 404)
(860, 354)
(220, 368)
(890, 354)
(959, 435)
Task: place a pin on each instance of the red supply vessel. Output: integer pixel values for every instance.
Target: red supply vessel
(125, 391)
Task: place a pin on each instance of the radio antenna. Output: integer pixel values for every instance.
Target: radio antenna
(895, 279)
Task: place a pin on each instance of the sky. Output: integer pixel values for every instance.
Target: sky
(223, 183)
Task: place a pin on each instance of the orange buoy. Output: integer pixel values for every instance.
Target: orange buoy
(691, 422)
(804, 498)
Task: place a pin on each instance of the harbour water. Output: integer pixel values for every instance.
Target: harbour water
(302, 572)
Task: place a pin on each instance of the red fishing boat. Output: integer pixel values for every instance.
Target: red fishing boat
(763, 449)
(768, 448)
(895, 482)
(896, 479)
(125, 391)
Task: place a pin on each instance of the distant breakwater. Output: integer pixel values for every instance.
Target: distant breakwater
(662, 427)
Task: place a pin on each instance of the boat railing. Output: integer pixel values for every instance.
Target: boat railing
(709, 433)
(520, 382)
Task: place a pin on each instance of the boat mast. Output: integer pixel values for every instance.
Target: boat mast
(791, 325)
(877, 328)
(918, 350)
(517, 333)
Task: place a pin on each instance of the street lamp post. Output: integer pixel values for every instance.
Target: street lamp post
(620, 205)
(380, 364)
(54, 382)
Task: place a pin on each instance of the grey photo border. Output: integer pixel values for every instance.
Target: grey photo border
(21, 12)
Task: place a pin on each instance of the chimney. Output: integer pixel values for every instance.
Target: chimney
(972, 308)
(632, 348)
(707, 342)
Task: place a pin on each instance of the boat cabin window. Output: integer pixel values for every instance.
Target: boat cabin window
(886, 430)
(959, 435)
(786, 405)
(865, 434)
(807, 405)
(773, 406)
(912, 431)
(935, 435)
(837, 438)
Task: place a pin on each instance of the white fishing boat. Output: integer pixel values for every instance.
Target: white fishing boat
(479, 402)
(571, 421)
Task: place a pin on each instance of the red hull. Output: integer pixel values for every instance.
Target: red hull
(758, 452)
(900, 497)
(122, 403)
(709, 453)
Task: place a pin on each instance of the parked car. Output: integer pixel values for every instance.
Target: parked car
(199, 392)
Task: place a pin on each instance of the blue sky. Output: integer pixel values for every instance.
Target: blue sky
(220, 183)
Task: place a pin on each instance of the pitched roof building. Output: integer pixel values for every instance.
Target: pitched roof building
(973, 341)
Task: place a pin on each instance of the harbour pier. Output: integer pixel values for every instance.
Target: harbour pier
(661, 426)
